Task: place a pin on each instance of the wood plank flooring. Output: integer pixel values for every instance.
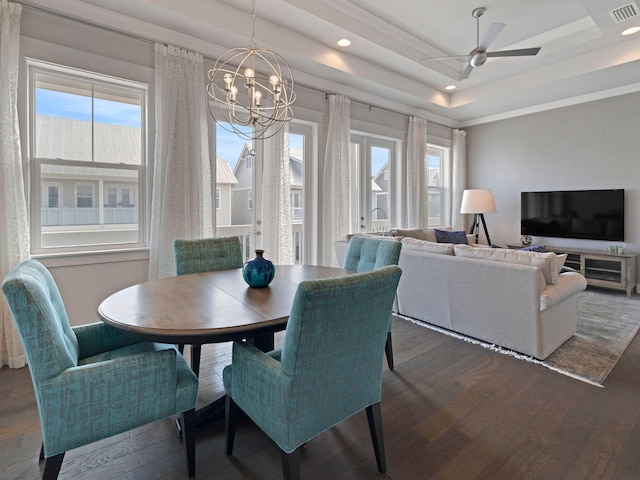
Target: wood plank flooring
(451, 410)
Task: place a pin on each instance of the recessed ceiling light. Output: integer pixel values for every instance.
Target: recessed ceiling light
(344, 42)
(631, 31)
(450, 87)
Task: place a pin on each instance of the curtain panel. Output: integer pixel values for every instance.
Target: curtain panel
(416, 198)
(336, 178)
(14, 232)
(459, 181)
(181, 206)
(277, 236)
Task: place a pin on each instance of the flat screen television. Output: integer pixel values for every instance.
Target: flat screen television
(587, 214)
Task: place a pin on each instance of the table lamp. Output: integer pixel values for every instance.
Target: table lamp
(478, 202)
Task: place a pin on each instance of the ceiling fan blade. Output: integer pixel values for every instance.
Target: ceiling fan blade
(466, 72)
(424, 59)
(490, 36)
(514, 53)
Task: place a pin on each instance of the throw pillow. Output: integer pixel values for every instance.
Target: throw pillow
(408, 232)
(453, 236)
(535, 248)
(560, 259)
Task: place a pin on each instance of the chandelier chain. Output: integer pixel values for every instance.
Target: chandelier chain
(253, 23)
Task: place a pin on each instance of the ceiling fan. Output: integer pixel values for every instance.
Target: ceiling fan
(478, 56)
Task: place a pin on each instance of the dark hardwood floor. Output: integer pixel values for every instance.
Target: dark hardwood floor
(451, 410)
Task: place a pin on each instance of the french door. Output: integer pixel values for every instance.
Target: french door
(372, 161)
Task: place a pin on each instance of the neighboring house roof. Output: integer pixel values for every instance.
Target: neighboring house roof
(70, 139)
(224, 175)
(296, 168)
(296, 172)
(375, 187)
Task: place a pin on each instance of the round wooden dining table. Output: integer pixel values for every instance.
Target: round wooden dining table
(208, 307)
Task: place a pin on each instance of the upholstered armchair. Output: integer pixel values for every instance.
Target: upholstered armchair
(329, 367)
(205, 255)
(91, 381)
(365, 254)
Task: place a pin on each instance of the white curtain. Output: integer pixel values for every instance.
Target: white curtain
(181, 197)
(277, 236)
(416, 197)
(14, 226)
(459, 183)
(336, 183)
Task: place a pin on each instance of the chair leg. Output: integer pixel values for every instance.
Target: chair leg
(230, 420)
(189, 439)
(388, 350)
(52, 467)
(291, 464)
(195, 358)
(181, 348)
(41, 457)
(374, 416)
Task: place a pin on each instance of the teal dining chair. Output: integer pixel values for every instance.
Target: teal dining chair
(328, 369)
(365, 254)
(205, 255)
(92, 381)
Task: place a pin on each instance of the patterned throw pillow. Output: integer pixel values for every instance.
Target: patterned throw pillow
(453, 236)
(535, 248)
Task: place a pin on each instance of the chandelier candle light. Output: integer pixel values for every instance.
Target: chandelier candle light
(251, 87)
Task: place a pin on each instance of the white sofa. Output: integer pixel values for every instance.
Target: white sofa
(517, 300)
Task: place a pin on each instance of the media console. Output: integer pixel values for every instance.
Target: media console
(607, 270)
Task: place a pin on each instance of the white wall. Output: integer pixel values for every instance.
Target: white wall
(594, 145)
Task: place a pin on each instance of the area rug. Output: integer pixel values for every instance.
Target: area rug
(607, 323)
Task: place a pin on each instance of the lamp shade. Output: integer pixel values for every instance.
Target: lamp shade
(478, 201)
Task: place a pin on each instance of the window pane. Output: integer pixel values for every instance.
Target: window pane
(78, 220)
(296, 166)
(63, 118)
(380, 157)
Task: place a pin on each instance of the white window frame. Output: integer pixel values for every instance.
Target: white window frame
(35, 165)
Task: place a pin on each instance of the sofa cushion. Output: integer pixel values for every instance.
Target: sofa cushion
(451, 236)
(546, 262)
(409, 243)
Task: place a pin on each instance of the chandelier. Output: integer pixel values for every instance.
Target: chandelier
(251, 87)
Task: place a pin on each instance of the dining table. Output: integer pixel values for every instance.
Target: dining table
(210, 307)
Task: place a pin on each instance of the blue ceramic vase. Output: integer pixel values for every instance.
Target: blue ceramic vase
(258, 272)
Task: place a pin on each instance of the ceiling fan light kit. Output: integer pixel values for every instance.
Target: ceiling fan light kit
(478, 56)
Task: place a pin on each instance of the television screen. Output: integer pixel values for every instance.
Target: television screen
(588, 214)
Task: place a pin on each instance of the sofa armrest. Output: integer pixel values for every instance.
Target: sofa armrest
(569, 283)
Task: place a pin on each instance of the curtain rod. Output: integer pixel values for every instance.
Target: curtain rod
(152, 41)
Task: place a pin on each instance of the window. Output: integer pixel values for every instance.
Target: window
(436, 172)
(84, 196)
(250, 199)
(218, 198)
(87, 156)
